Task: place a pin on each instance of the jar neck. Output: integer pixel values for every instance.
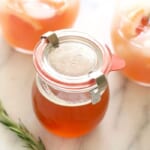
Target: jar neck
(88, 95)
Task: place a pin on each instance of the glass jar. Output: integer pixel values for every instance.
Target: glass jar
(70, 92)
(130, 35)
(24, 21)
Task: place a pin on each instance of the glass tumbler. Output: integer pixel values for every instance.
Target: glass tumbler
(130, 34)
(71, 92)
(24, 21)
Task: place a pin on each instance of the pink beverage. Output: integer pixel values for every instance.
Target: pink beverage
(24, 21)
(130, 38)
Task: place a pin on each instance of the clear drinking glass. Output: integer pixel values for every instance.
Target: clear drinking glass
(70, 92)
(130, 35)
(24, 21)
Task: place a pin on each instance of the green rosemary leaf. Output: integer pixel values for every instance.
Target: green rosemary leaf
(21, 131)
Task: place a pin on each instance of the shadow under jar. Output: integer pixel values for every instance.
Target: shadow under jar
(70, 92)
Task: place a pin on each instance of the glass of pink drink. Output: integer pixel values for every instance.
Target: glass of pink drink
(130, 35)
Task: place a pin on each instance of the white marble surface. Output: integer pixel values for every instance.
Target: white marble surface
(126, 125)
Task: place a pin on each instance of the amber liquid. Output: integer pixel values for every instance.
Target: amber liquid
(68, 121)
(23, 31)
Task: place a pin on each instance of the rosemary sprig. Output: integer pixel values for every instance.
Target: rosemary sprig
(21, 131)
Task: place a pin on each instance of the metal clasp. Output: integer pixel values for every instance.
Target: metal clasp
(51, 38)
(101, 85)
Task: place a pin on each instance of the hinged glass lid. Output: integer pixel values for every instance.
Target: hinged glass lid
(69, 59)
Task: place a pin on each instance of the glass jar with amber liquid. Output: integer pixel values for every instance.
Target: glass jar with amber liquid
(71, 92)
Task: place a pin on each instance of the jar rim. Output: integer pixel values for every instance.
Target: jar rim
(68, 82)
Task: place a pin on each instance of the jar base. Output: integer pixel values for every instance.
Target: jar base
(24, 51)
